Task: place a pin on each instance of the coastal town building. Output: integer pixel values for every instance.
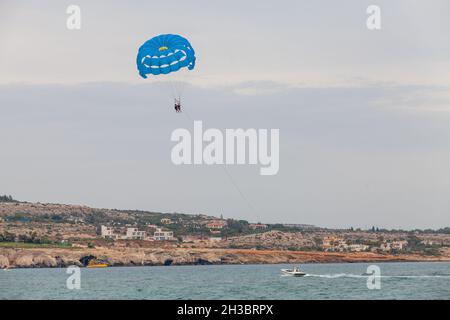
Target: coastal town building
(216, 224)
(257, 226)
(121, 234)
(333, 243)
(161, 235)
(358, 247)
(330, 242)
(393, 245)
(166, 221)
(135, 234)
(107, 232)
(399, 245)
(194, 225)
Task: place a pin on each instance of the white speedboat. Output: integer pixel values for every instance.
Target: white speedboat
(295, 272)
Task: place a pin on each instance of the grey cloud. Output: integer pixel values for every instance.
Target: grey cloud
(345, 159)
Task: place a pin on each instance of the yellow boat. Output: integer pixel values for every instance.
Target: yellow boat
(97, 265)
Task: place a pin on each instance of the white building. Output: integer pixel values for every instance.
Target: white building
(135, 234)
(358, 247)
(130, 234)
(216, 224)
(257, 226)
(108, 232)
(161, 235)
(394, 245)
(399, 245)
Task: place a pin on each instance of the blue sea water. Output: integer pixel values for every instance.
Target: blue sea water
(323, 281)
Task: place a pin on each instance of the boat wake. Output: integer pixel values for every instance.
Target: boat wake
(336, 275)
(349, 275)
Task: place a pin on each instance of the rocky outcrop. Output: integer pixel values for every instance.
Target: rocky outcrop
(4, 262)
(64, 261)
(49, 258)
(24, 261)
(44, 261)
(36, 261)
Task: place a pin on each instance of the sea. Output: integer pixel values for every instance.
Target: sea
(405, 280)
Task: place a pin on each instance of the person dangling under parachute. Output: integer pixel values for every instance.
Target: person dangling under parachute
(166, 54)
(177, 105)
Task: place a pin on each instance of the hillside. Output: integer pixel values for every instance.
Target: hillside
(39, 235)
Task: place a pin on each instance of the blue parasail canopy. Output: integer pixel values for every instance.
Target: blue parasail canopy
(164, 54)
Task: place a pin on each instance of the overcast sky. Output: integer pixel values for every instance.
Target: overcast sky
(364, 116)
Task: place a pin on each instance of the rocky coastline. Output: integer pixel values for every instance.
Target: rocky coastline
(57, 257)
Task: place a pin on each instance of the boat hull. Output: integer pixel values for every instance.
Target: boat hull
(293, 273)
(97, 266)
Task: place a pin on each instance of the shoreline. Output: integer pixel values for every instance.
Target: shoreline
(229, 264)
(121, 257)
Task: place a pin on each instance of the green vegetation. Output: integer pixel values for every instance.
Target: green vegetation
(6, 198)
(443, 230)
(9, 240)
(33, 245)
(7, 237)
